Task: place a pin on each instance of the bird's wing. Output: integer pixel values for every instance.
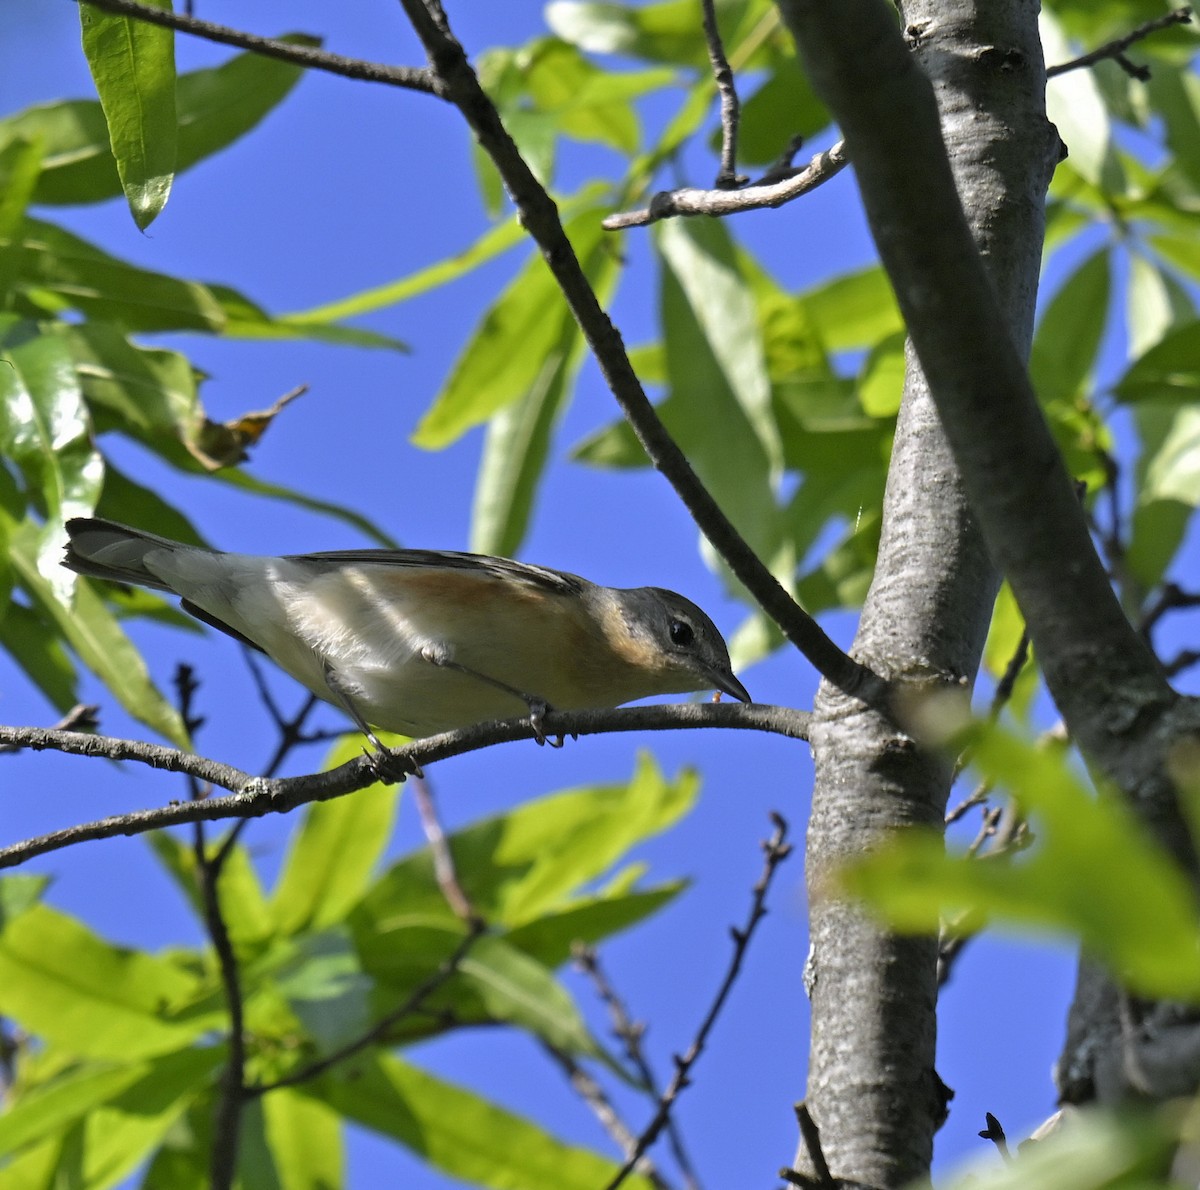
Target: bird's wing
(557, 581)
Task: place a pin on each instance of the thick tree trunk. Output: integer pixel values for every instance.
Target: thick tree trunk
(872, 1088)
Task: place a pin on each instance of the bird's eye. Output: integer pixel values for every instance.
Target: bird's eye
(681, 633)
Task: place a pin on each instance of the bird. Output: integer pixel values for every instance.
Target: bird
(420, 642)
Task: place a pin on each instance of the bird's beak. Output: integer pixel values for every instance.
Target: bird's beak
(724, 681)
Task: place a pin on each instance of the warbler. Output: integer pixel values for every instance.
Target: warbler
(424, 641)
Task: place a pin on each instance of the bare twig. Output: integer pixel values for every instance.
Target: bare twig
(1002, 832)
(1171, 597)
(253, 796)
(977, 797)
(412, 1003)
(776, 850)
(1008, 680)
(811, 1136)
(630, 1034)
(443, 861)
(83, 716)
(592, 1093)
(1116, 49)
(1181, 661)
(773, 190)
(412, 78)
(727, 176)
(227, 1115)
(539, 215)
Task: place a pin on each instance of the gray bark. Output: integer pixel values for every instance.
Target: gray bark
(872, 1087)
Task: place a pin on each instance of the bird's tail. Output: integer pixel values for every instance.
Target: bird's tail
(104, 549)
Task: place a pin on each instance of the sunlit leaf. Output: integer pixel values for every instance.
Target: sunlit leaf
(133, 66)
(457, 1131)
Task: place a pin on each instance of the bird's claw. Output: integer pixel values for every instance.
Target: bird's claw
(391, 768)
(538, 709)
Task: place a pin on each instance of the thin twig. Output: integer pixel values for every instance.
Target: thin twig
(444, 870)
(1171, 597)
(727, 176)
(252, 797)
(977, 797)
(1008, 680)
(412, 1003)
(592, 1093)
(630, 1033)
(227, 1115)
(776, 850)
(774, 189)
(83, 716)
(811, 1136)
(1116, 49)
(1181, 661)
(539, 216)
(411, 78)
(1004, 832)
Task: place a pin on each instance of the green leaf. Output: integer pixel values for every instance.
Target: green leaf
(103, 1091)
(588, 103)
(520, 865)
(133, 66)
(243, 906)
(517, 443)
(720, 408)
(1093, 1149)
(853, 311)
(246, 320)
(458, 1132)
(1093, 872)
(147, 389)
(304, 1140)
(18, 893)
(1168, 487)
(73, 989)
(44, 426)
(1155, 304)
(20, 168)
(1070, 331)
(550, 938)
(1076, 107)
(1169, 371)
(508, 350)
(498, 982)
(1176, 98)
(492, 243)
(62, 271)
(37, 649)
(700, 257)
(213, 107)
(333, 853)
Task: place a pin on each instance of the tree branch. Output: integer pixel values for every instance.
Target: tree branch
(630, 1033)
(592, 1093)
(475, 929)
(412, 78)
(776, 850)
(252, 797)
(539, 216)
(1106, 682)
(773, 190)
(227, 1116)
(727, 175)
(1116, 49)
